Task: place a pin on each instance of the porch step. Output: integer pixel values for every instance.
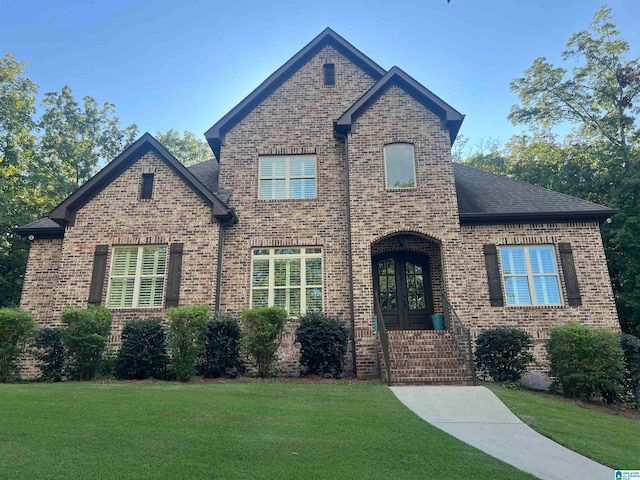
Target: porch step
(425, 357)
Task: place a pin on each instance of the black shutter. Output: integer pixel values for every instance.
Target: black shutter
(570, 277)
(493, 275)
(329, 74)
(147, 186)
(97, 276)
(175, 273)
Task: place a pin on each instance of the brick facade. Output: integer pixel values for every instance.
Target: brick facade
(297, 118)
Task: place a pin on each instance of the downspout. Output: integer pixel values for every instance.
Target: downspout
(349, 249)
(219, 272)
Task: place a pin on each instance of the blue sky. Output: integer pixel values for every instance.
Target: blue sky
(183, 64)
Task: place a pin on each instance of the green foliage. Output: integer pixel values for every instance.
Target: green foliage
(586, 362)
(186, 338)
(221, 357)
(16, 326)
(504, 353)
(323, 344)
(186, 148)
(76, 137)
(631, 348)
(48, 350)
(42, 160)
(143, 353)
(262, 331)
(84, 334)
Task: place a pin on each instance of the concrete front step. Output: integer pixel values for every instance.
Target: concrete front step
(425, 357)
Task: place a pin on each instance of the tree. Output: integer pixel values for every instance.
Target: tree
(599, 98)
(76, 138)
(42, 160)
(186, 148)
(18, 197)
(599, 95)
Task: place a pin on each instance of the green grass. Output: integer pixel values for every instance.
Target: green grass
(611, 440)
(220, 431)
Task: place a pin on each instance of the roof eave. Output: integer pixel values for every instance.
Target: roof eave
(530, 217)
(449, 116)
(39, 233)
(64, 213)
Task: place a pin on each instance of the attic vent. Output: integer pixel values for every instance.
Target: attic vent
(329, 74)
(147, 186)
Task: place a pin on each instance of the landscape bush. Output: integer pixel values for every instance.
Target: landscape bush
(631, 348)
(186, 338)
(16, 326)
(323, 345)
(48, 351)
(85, 334)
(503, 353)
(143, 353)
(262, 331)
(221, 357)
(585, 362)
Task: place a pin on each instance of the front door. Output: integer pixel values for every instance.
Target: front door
(403, 285)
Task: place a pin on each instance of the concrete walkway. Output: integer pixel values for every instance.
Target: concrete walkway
(477, 417)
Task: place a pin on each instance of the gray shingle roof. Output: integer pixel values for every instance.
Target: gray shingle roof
(487, 198)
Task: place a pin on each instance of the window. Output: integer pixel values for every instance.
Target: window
(329, 74)
(137, 276)
(147, 186)
(530, 275)
(399, 165)
(290, 176)
(290, 278)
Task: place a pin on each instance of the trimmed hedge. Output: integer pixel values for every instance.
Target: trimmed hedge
(323, 345)
(144, 351)
(16, 326)
(186, 338)
(504, 353)
(48, 350)
(631, 348)
(262, 331)
(221, 357)
(586, 362)
(84, 334)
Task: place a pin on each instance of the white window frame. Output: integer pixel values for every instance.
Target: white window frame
(530, 276)
(272, 256)
(137, 276)
(386, 166)
(287, 176)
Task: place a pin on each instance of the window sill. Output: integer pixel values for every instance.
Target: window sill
(402, 189)
(269, 200)
(131, 309)
(537, 307)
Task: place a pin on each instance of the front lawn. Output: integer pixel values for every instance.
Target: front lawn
(611, 440)
(226, 431)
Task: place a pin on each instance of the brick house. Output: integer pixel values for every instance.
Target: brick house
(333, 189)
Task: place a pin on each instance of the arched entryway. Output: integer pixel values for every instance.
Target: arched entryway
(407, 279)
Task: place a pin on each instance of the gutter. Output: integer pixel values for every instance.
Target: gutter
(349, 249)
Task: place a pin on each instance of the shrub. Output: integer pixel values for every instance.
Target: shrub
(221, 357)
(262, 329)
(84, 334)
(186, 338)
(16, 326)
(143, 353)
(504, 353)
(585, 362)
(323, 344)
(48, 351)
(631, 348)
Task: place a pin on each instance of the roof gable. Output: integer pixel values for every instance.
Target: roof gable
(64, 213)
(215, 135)
(450, 117)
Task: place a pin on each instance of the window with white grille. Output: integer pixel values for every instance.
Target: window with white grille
(137, 276)
(288, 176)
(290, 278)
